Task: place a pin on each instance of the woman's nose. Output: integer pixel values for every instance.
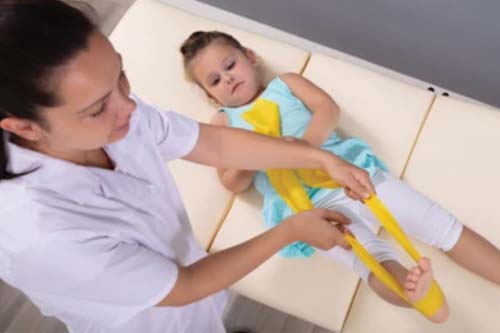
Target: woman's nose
(128, 105)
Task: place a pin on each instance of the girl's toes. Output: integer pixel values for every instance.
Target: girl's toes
(416, 271)
(414, 277)
(410, 285)
(425, 264)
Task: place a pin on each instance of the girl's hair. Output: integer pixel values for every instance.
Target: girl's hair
(37, 37)
(201, 39)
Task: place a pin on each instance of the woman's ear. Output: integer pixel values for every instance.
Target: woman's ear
(26, 129)
(252, 57)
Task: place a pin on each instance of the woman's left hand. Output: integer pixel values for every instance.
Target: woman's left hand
(356, 181)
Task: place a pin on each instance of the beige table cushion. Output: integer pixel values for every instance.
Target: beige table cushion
(388, 114)
(474, 303)
(149, 37)
(455, 163)
(384, 112)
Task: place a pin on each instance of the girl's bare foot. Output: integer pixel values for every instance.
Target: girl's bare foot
(417, 284)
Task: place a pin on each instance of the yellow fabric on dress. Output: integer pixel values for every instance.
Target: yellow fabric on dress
(265, 117)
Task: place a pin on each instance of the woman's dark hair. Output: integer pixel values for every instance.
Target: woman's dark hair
(201, 39)
(37, 37)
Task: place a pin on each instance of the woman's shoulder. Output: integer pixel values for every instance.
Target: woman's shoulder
(14, 195)
(19, 217)
(152, 119)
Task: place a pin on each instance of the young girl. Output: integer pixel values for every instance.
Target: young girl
(228, 73)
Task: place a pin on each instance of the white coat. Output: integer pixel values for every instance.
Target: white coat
(99, 248)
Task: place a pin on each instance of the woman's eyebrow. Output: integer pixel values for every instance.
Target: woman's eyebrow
(109, 93)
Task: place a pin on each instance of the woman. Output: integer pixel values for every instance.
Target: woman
(92, 228)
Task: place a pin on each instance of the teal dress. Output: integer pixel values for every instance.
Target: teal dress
(295, 118)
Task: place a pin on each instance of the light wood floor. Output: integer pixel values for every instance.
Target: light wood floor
(19, 315)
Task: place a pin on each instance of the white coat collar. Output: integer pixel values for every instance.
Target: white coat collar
(45, 172)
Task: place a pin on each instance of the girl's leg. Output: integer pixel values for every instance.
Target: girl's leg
(425, 220)
(370, 241)
(478, 255)
(396, 270)
(416, 284)
(419, 284)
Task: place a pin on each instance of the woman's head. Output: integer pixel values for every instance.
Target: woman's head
(222, 67)
(62, 87)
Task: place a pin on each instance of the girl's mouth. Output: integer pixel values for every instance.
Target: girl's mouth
(236, 86)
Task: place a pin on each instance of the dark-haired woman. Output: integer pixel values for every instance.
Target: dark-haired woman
(92, 228)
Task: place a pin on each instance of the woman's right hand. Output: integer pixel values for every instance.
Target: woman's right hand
(321, 228)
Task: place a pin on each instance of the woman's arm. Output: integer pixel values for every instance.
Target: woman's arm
(326, 112)
(220, 270)
(240, 149)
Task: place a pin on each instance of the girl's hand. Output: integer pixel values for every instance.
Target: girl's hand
(321, 228)
(356, 181)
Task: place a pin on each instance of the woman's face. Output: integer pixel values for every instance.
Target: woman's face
(95, 106)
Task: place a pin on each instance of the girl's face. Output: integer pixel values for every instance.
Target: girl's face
(226, 73)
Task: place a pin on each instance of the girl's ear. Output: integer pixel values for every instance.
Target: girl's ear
(252, 57)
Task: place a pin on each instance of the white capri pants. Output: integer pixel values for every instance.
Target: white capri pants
(417, 215)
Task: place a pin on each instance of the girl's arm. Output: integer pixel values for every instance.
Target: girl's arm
(220, 270)
(224, 147)
(326, 112)
(235, 180)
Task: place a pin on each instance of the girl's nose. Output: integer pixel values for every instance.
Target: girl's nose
(228, 78)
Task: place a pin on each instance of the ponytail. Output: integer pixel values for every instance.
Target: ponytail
(3, 158)
(37, 37)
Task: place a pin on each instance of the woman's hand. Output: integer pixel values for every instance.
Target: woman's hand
(356, 181)
(321, 228)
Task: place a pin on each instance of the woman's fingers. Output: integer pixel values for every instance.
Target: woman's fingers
(356, 181)
(351, 194)
(338, 221)
(358, 189)
(334, 216)
(363, 178)
(358, 185)
(320, 227)
(339, 235)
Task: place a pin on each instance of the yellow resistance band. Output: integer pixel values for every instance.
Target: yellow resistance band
(264, 116)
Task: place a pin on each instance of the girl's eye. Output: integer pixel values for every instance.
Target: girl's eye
(231, 65)
(215, 82)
